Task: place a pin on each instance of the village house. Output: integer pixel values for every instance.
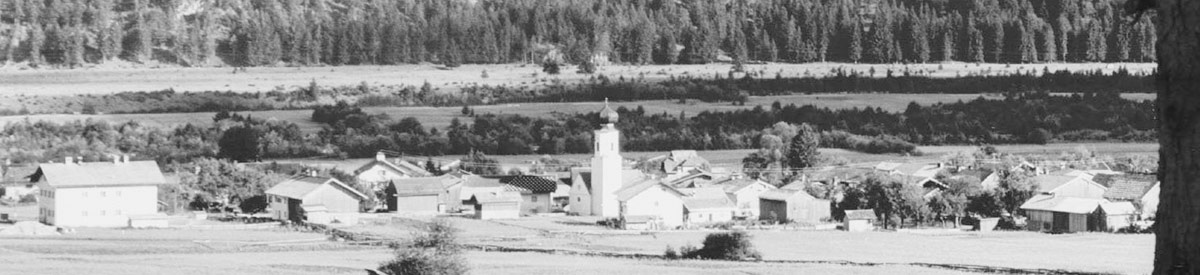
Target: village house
(1114, 216)
(859, 220)
(314, 199)
(786, 205)
(535, 192)
(651, 201)
(15, 183)
(495, 204)
(99, 194)
(745, 194)
(680, 163)
(706, 205)
(379, 171)
(1141, 191)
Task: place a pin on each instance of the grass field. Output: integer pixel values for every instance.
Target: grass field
(113, 80)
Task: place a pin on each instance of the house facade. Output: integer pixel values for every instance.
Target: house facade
(97, 194)
(296, 198)
(859, 220)
(495, 205)
(792, 205)
(379, 171)
(536, 192)
(652, 200)
(745, 194)
(1056, 213)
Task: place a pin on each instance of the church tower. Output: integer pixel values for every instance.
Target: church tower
(606, 165)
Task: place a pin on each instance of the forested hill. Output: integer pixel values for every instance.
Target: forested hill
(68, 33)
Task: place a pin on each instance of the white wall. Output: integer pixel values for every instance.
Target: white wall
(335, 199)
(1150, 202)
(100, 206)
(606, 172)
(710, 216)
(747, 200)
(378, 174)
(656, 201)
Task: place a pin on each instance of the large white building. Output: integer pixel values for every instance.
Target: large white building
(97, 194)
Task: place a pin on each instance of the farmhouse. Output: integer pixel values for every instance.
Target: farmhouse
(792, 205)
(919, 170)
(97, 194)
(535, 192)
(314, 199)
(745, 194)
(496, 204)
(707, 205)
(380, 171)
(15, 183)
(1142, 191)
(652, 200)
(859, 220)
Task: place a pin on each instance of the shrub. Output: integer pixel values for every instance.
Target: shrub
(433, 251)
(254, 204)
(671, 254)
(28, 198)
(734, 246)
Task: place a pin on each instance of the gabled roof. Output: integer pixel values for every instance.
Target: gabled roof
(99, 174)
(1047, 183)
(911, 169)
(17, 174)
(630, 191)
(496, 197)
(401, 167)
(706, 198)
(1063, 204)
(1118, 208)
(785, 194)
(864, 214)
(682, 158)
(419, 186)
(299, 187)
(1127, 188)
(533, 184)
(733, 186)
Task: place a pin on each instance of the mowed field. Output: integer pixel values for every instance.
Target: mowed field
(107, 80)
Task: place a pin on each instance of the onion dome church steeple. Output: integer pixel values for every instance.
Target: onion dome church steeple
(608, 115)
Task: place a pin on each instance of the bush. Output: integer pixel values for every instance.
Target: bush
(28, 198)
(671, 254)
(734, 246)
(254, 204)
(433, 251)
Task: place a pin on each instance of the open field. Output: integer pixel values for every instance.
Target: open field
(113, 80)
(194, 251)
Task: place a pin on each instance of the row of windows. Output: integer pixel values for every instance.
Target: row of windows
(45, 212)
(47, 193)
(102, 213)
(103, 194)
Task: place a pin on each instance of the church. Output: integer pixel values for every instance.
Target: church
(609, 189)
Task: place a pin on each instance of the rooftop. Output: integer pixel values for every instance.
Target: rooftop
(99, 174)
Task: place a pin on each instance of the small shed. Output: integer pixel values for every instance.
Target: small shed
(1114, 216)
(859, 220)
(707, 205)
(496, 204)
(792, 205)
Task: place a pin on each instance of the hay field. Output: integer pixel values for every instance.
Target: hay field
(99, 80)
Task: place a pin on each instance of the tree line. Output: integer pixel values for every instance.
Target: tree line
(70, 33)
(1036, 118)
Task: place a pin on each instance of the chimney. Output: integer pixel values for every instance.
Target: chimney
(68, 160)
(380, 156)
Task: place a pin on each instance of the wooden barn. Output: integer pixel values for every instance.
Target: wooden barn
(296, 198)
(414, 195)
(497, 204)
(1048, 212)
(792, 205)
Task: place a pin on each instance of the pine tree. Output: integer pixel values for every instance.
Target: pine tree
(856, 43)
(1048, 42)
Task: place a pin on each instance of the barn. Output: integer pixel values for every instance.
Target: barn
(791, 205)
(496, 204)
(1048, 212)
(329, 199)
(414, 195)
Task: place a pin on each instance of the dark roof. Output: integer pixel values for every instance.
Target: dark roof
(1108, 180)
(1128, 188)
(534, 184)
(865, 214)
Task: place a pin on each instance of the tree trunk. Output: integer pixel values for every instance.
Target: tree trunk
(1177, 249)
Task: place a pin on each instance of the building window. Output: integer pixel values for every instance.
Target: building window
(534, 198)
(84, 194)
(382, 173)
(84, 213)
(118, 193)
(103, 194)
